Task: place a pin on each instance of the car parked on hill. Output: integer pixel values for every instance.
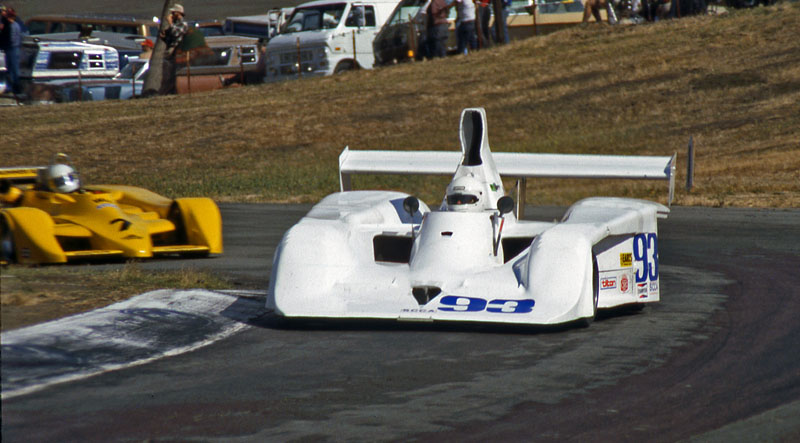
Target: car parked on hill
(121, 32)
(228, 60)
(326, 37)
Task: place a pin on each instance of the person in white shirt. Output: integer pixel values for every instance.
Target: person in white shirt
(465, 33)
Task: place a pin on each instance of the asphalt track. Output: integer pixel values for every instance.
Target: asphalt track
(716, 360)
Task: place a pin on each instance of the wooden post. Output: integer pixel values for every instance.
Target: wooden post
(355, 55)
(412, 38)
(188, 73)
(499, 18)
(241, 65)
(80, 82)
(299, 61)
(690, 166)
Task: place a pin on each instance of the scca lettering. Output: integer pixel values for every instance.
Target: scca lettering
(454, 303)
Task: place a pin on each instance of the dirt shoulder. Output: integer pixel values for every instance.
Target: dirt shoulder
(31, 295)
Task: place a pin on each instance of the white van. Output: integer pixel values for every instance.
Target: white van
(326, 37)
(263, 26)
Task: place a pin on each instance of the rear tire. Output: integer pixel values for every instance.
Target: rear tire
(7, 250)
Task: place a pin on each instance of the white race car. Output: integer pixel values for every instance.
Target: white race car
(386, 255)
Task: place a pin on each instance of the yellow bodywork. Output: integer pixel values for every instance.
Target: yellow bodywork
(38, 226)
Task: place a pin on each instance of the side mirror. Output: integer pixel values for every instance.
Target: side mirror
(411, 205)
(505, 205)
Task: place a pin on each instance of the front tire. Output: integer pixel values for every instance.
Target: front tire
(585, 322)
(344, 66)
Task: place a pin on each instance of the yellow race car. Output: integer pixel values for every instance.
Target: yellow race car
(48, 217)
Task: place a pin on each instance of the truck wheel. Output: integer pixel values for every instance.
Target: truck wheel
(7, 253)
(344, 66)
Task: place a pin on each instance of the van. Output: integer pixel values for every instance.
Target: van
(326, 37)
(263, 26)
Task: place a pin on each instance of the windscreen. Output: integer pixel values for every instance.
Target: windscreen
(65, 60)
(316, 18)
(405, 11)
(131, 69)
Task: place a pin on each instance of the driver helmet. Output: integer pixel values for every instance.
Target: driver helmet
(62, 178)
(463, 194)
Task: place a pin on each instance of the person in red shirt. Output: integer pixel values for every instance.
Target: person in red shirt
(438, 27)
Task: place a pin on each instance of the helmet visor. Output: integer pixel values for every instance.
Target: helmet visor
(67, 181)
(462, 199)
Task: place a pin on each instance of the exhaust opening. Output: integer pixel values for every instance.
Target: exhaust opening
(424, 294)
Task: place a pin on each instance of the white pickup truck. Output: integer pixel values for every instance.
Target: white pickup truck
(326, 37)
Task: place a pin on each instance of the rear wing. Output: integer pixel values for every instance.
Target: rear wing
(23, 175)
(510, 164)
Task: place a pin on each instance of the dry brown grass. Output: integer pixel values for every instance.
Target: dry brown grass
(732, 82)
(34, 294)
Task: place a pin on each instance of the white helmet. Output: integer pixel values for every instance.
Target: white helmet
(463, 194)
(62, 178)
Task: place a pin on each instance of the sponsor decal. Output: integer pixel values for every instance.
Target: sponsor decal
(455, 303)
(641, 290)
(626, 259)
(419, 311)
(26, 253)
(624, 283)
(608, 283)
(106, 205)
(653, 286)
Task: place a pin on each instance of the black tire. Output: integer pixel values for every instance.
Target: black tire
(7, 250)
(179, 236)
(344, 66)
(585, 322)
(176, 217)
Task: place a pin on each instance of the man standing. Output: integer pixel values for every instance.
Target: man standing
(172, 36)
(437, 28)
(484, 17)
(465, 33)
(10, 43)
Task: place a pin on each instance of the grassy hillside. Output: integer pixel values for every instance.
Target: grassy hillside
(732, 82)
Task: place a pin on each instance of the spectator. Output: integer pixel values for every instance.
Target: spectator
(503, 23)
(593, 8)
(11, 33)
(484, 16)
(438, 28)
(465, 33)
(172, 36)
(147, 49)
